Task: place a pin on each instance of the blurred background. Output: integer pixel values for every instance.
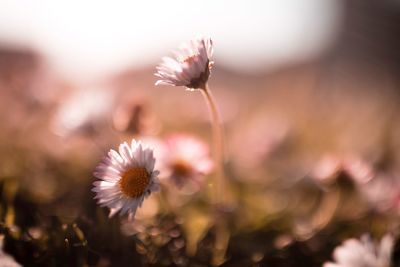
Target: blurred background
(308, 92)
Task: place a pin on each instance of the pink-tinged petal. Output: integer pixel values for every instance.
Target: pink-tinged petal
(162, 82)
(108, 161)
(113, 212)
(181, 77)
(105, 177)
(125, 152)
(330, 264)
(386, 247)
(186, 51)
(210, 49)
(362, 252)
(186, 158)
(108, 168)
(149, 160)
(171, 64)
(115, 158)
(104, 184)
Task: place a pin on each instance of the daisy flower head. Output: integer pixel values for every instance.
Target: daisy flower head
(191, 66)
(363, 252)
(186, 160)
(127, 177)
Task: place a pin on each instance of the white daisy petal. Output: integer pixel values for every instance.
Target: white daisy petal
(115, 158)
(162, 82)
(108, 192)
(113, 212)
(108, 161)
(171, 64)
(101, 170)
(149, 159)
(106, 177)
(115, 203)
(363, 253)
(209, 45)
(125, 152)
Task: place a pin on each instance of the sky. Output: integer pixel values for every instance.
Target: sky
(85, 40)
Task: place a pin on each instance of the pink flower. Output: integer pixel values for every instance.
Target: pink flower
(190, 67)
(186, 160)
(330, 166)
(382, 193)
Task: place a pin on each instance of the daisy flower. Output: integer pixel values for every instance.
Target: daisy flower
(190, 67)
(126, 178)
(186, 160)
(363, 253)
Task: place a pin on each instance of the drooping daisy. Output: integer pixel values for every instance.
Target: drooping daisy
(363, 253)
(126, 178)
(186, 160)
(190, 67)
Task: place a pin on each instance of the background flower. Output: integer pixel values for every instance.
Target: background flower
(185, 160)
(364, 253)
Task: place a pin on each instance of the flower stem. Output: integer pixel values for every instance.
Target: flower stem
(222, 232)
(218, 144)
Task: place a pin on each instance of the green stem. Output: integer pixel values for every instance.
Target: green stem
(218, 144)
(222, 232)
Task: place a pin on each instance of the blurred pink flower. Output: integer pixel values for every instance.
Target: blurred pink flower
(330, 166)
(326, 168)
(83, 110)
(382, 193)
(191, 66)
(135, 116)
(360, 170)
(262, 136)
(126, 177)
(381, 190)
(5, 259)
(363, 253)
(186, 160)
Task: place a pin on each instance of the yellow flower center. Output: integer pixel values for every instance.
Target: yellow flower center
(190, 60)
(134, 182)
(181, 168)
(200, 81)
